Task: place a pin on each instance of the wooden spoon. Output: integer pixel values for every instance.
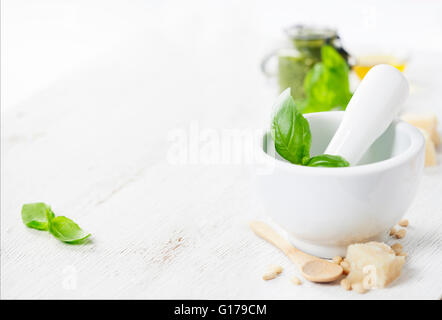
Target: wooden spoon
(312, 268)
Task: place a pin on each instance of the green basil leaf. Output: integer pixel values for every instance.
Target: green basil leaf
(326, 85)
(290, 130)
(331, 58)
(327, 160)
(66, 230)
(50, 215)
(35, 215)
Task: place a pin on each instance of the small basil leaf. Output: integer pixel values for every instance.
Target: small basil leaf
(35, 215)
(327, 160)
(66, 230)
(290, 130)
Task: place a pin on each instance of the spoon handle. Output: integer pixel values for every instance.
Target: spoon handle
(267, 233)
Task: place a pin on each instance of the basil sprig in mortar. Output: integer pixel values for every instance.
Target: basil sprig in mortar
(292, 136)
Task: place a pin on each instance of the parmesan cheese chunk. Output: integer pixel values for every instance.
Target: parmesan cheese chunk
(426, 122)
(372, 265)
(430, 150)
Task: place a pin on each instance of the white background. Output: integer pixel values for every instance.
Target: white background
(92, 90)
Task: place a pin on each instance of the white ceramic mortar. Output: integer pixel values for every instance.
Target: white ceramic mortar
(323, 210)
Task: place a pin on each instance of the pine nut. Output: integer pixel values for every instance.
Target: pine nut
(345, 266)
(358, 288)
(295, 280)
(403, 223)
(393, 231)
(400, 233)
(272, 272)
(337, 259)
(397, 248)
(345, 284)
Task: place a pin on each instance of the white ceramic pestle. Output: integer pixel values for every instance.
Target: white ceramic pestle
(374, 105)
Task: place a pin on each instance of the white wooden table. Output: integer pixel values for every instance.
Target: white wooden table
(94, 97)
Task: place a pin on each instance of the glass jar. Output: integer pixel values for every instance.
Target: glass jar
(303, 51)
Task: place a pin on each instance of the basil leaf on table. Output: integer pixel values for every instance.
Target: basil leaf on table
(66, 230)
(36, 215)
(290, 130)
(41, 217)
(327, 160)
(326, 85)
